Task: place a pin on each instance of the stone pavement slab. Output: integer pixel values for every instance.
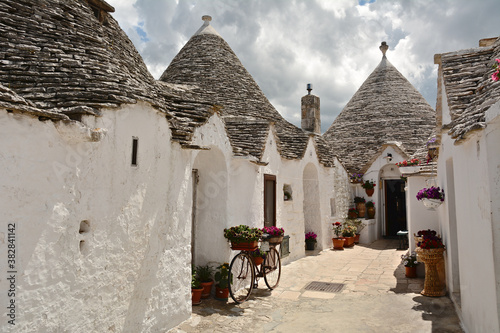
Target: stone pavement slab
(376, 297)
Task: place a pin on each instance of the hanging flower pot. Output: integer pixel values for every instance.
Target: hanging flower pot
(432, 197)
(369, 187)
(431, 204)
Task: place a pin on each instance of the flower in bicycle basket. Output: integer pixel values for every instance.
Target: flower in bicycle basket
(259, 253)
(273, 231)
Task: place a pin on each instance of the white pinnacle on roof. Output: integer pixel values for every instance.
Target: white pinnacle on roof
(206, 28)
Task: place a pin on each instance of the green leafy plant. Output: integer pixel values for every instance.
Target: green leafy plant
(221, 275)
(259, 253)
(359, 200)
(195, 283)
(204, 273)
(368, 185)
(370, 204)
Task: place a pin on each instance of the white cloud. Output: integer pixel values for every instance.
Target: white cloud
(333, 44)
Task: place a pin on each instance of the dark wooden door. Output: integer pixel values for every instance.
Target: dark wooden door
(269, 200)
(395, 207)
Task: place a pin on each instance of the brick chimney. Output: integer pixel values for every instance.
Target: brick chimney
(311, 121)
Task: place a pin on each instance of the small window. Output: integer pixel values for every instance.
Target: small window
(135, 147)
(287, 192)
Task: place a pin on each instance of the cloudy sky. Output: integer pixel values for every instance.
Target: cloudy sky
(333, 44)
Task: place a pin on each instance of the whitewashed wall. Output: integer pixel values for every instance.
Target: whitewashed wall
(130, 268)
(473, 270)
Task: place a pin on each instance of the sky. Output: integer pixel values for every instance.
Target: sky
(332, 44)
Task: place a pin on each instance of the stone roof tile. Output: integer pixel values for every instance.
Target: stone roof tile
(385, 108)
(208, 63)
(469, 88)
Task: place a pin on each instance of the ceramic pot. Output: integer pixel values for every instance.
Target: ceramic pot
(369, 191)
(258, 260)
(348, 241)
(207, 289)
(196, 296)
(356, 239)
(371, 212)
(310, 246)
(352, 215)
(221, 293)
(338, 243)
(360, 206)
(411, 272)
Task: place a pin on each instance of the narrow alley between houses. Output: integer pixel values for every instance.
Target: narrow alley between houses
(370, 294)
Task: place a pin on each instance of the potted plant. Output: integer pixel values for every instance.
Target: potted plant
(352, 213)
(204, 275)
(242, 237)
(430, 251)
(348, 233)
(221, 282)
(432, 197)
(196, 288)
(273, 234)
(370, 209)
(369, 187)
(338, 241)
(411, 166)
(360, 206)
(258, 256)
(358, 224)
(356, 178)
(310, 240)
(409, 260)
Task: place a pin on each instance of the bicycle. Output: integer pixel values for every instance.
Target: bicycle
(244, 274)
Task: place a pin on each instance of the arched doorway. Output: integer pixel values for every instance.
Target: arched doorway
(311, 205)
(209, 213)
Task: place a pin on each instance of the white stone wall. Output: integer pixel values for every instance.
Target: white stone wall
(129, 269)
(469, 222)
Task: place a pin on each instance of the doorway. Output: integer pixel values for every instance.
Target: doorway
(269, 200)
(395, 208)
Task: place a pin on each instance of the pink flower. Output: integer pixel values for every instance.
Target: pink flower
(494, 76)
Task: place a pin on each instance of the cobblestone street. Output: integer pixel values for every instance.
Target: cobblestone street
(376, 297)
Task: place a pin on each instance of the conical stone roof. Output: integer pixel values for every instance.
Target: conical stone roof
(385, 108)
(209, 64)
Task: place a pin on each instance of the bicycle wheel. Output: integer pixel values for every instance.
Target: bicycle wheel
(241, 277)
(272, 269)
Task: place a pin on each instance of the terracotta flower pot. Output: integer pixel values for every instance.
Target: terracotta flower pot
(196, 296)
(338, 243)
(348, 241)
(360, 206)
(369, 191)
(356, 239)
(411, 272)
(258, 260)
(221, 293)
(249, 246)
(207, 289)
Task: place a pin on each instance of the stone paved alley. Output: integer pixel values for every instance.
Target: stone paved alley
(377, 297)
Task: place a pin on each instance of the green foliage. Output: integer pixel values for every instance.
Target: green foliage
(242, 233)
(221, 275)
(204, 273)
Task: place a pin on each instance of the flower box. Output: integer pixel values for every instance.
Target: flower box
(274, 240)
(409, 169)
(245, 246)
